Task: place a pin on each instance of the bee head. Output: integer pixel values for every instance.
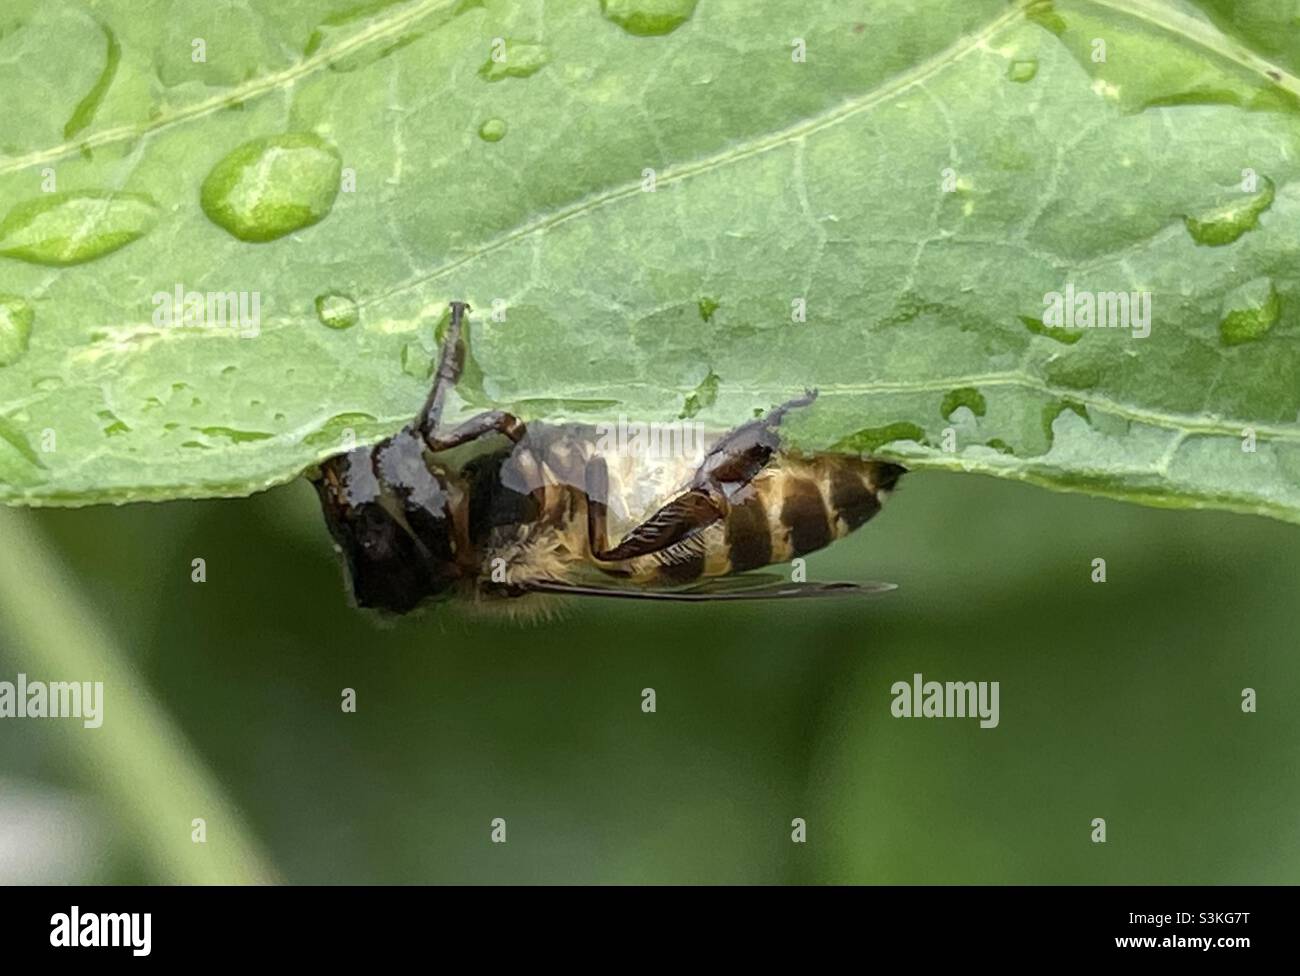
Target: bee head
(390, 514)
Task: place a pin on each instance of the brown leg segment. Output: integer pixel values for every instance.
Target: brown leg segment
(732, 464)
(451, 360)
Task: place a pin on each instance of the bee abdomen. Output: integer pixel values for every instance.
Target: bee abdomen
(808, 503)
(795, 506)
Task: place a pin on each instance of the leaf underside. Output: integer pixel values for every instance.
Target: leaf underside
(658, 209)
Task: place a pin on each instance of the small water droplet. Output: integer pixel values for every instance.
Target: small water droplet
(416, 362)
(16, 317)
(113, 424)
(331, 432)
(968, 397)
(493, 130)
(70, 228)
(648, 18)
(336, 311)
(228, 370)
(707, 307)
(274, 186)
(705, 396)
(1226, 223)
(1067, 337)
(1252, 310)
(1022, 71)
(521, 60)
(233, 435)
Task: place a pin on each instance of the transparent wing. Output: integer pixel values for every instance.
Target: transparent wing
(746, 586)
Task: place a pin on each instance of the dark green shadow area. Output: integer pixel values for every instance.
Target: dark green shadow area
(1119, 700)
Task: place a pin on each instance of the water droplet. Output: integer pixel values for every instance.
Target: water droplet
(1022, 71)
(968, 397)
(705, 395)
(493, 130)
(336, 311)
(70, 228)
(235, 436)
(113, 424)
(707, 307)
(274, 186)
(868, 440)
(416, 362)
(331, 432)
(1064, 336)
(16, 318)
(521, 60)
(1226, 223)
(228, 370)
(648, 18)
(1253, 309)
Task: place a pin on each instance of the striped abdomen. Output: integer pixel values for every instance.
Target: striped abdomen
(793, 507)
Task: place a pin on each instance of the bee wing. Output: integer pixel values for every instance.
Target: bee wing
(752, 586)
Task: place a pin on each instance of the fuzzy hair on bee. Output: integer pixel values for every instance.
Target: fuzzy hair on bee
(498, 513)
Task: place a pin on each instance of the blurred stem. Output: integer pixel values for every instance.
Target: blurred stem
(137, 760)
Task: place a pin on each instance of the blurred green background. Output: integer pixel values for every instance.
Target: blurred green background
(1119, 700)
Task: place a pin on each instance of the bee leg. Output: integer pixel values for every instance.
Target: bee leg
(451, 360)
(681, 518)
(731, 465)
(742, 453)
(494, 421)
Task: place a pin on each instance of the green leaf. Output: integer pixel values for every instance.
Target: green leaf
(658, 208)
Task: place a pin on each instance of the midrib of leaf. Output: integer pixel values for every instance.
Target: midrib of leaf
(377, 32)
(734, 154)
(1179, 422)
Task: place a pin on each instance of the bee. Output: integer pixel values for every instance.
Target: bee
(494, 509)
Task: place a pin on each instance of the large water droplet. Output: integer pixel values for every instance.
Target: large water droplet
(336, 310)
(16, 317)
(1253, 309)
(1226, 223)
(1022, 71)
(493, 130)
(647, 18)
(274, 186)
(69, 228)
(518, 60)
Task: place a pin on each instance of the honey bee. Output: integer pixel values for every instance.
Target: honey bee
(494, 509)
